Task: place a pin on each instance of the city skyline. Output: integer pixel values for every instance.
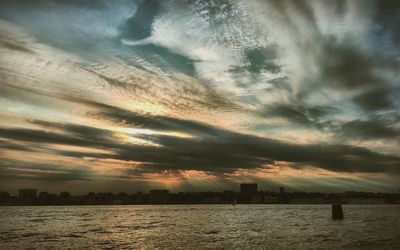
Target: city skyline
(199, 95)
(248, 193)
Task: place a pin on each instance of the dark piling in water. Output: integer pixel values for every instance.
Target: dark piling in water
(337, 212)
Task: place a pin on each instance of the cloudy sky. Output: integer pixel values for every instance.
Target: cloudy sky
(199, 95)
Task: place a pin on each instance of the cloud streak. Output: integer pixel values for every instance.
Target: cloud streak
(209, 148)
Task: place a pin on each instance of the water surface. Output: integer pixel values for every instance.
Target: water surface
(199, 227)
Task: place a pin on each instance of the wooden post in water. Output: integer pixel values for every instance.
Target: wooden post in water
(337, 212)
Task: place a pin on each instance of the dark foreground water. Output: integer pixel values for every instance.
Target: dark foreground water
(199, 227)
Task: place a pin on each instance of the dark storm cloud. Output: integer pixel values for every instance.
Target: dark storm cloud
(347, 68)
(299, 115)
(319, 118)
(14, 146)
(160, 123)
(41, 136)
(78, 131)
(372, 129)
(243, 151)
(211, 149)
(388, 14)
(375, 99)
(362, 61)
(19, 169)
(343, 67)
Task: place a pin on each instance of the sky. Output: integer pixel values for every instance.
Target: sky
(199, 95)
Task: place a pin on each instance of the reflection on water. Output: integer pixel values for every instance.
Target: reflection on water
(199, 227)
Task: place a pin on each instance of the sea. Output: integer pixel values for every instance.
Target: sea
(199, 227)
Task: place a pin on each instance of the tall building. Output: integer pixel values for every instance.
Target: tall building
(28, 194)
(248, 188)
(282, 197)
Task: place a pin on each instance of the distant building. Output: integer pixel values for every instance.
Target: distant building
(138, 198)
(28, 194)
(91, 195)
(159, 196)
(65, 195)
(212, 197)
(117, 202)
(228, 197)
(248, 188)
(282, 196)
(45, 198)
(90, 198)
(4, 195)
(256, 199)
(270, 199)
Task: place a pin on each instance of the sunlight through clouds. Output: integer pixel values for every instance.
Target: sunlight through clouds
(200, 94)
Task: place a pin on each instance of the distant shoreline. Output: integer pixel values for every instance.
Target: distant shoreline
(249, 194)
(212, 204)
